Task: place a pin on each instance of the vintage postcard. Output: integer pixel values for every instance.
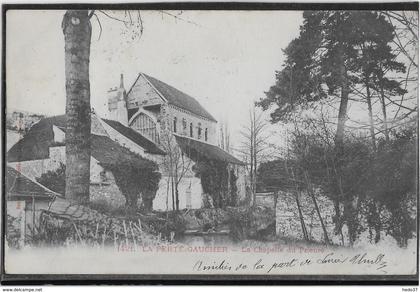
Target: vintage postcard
(144, 142)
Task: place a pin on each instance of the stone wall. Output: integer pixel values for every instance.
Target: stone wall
(288, 224)
(190, 191)
(181, 114)
(241, 182)
(142, 94)
(107, 193)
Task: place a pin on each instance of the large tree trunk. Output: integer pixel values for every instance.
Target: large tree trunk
(131, 201)
(386, 131)
(147, 200)
(371, 125)
(342, 112)
(77, 35)
(339, 135)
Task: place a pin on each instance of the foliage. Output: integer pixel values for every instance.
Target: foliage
(311, 70)
(378, 188)
(55, 180)
(233, 189)
(251, 222)
(340, 56)
(344, 59)
(240, 223)
(214, 180)
(134, 177)
(13, 231)
(97, 230)
(164, 224)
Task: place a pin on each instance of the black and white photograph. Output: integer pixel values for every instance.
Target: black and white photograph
(185, 143)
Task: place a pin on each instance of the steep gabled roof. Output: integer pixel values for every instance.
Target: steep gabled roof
(106, 151)
(207, 150)
(35, 144)
(178, 98)
(20, 186)
(134, 136)
(109, 152)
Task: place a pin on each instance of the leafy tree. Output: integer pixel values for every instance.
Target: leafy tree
(381, 185)
(337, 56)
(394, 171)
(318, 65)
(376, 59)
(214, 180)
(136, 178)
(55, 180)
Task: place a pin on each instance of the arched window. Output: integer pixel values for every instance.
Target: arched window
(174, 124)
(199, 131)
(206, 135)
(146, 126)
(191, 130)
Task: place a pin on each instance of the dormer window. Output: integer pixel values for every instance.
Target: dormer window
(191, 130)
(199, 131)
(205, 135)
(175, 121)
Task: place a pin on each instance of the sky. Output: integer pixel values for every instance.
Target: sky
(225, 59)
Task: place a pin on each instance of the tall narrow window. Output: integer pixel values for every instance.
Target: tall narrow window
(191, 130)
(206, 135)
(175, 125)
(199, 131)
(184, 126)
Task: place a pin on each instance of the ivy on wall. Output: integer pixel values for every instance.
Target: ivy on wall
(135, 179)
(217, 181)
(55, 180)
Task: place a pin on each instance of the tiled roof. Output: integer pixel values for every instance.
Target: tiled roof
(18, 185)
(207, 150)
(136, 137)
(179, 98)
(109, 152)
(35, 144)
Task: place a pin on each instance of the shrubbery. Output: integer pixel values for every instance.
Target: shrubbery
(55, 180)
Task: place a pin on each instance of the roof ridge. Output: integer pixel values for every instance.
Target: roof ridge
(174, 100)
(35, 182)
(109, 122)
(230, 157)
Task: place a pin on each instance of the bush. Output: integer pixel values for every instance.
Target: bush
(55, 180)
(135, 177)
